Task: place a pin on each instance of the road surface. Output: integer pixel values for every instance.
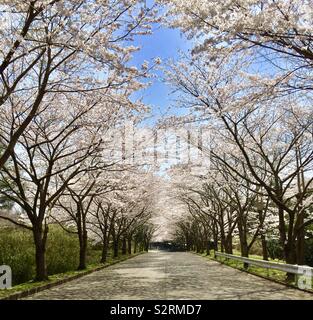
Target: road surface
(170, 275)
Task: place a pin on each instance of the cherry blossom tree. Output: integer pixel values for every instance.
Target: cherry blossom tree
(49, 48)
(119, 214)
(276, 35)
(65, 76)
(61, 146)
(267, 134)
(50, 154)
(76, 202)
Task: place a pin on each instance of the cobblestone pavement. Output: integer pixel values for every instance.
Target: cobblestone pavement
(170, 275)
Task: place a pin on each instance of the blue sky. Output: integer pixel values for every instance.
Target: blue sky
(166, 44)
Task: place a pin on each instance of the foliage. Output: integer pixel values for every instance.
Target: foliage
(62, 251)
(308, 253)
(68, 92)
(274, 248)
(17, 251)
(247, 80)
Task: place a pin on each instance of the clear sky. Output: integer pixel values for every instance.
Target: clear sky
(164, 43)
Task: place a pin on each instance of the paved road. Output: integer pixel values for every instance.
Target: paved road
(165, 275)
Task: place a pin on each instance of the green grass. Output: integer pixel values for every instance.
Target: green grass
(270, 274)
(254, 256)
(61, 276)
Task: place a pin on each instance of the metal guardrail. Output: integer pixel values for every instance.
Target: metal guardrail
(288, 268)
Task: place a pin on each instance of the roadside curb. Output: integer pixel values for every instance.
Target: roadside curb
(23, 294)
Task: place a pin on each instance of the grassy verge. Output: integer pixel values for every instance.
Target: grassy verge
(270, 274)
(54, 279)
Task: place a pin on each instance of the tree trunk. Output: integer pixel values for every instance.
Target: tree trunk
(82, 237)
(208, 248)
(223, 242)
(129, 245)
(104, 254)
(135, 246)
(287, 244)
(201, 246)
(244, 248)
(300, 242)
(229, 244)
(82, 251)
(105, 243)
(40, 247)
(264, 247)
(299, 229)
(124, 246)
(243, 245)
(290, 256)
(215, 237)
(245, 253)
(146, 245)
(243, 237)
(187, 241)
(115, 247)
